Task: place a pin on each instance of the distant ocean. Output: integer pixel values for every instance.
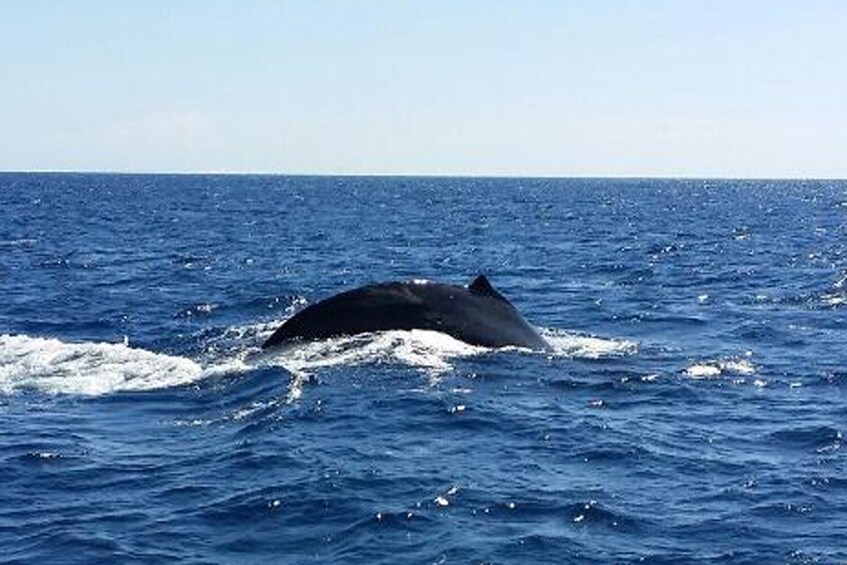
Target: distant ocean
(694, 408)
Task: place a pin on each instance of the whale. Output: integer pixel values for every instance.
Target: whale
(476, 314)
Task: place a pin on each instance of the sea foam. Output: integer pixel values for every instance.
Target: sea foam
(54, 366)
(57, 367)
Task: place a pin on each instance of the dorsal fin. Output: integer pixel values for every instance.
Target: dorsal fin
(482, 287)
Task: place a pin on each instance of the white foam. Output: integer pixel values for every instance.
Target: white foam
(431, 351)
(740, 366)
(57, 367)
(570, 344)
(702, 371)
(428, 350)
(834, 299)
(716, 368)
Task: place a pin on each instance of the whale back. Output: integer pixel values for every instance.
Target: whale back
(476, 314)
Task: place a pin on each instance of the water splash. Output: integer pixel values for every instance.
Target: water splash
(431, 352)
(57, 367)
(718, 367)
(572, 344)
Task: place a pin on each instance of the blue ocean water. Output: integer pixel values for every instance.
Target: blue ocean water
(694, 408)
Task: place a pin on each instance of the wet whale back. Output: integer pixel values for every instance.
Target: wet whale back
(476, 314)
(366, 309)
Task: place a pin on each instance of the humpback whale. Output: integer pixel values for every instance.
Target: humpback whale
(476, 314)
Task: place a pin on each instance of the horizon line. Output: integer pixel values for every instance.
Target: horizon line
(413, 175)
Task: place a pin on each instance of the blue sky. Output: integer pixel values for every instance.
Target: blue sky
(707, 88)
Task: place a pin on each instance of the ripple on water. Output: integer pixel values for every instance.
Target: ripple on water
(819, 439)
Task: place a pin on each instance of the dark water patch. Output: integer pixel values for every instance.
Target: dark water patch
(547, 546)
(62, 263)
(555, 515)
(584, 385)
(819, 439)
(614, 455)
(835, 378)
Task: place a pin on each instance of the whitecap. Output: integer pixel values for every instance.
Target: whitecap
(740, 366)
(834, 299)
(702, 371)
(716, 368)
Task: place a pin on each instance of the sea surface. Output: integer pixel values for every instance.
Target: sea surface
(694, 408)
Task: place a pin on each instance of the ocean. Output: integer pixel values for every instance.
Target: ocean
(693, 408)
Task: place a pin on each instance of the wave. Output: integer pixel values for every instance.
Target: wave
(18, 242)
(718, 367)
(829, 299)
(822, 439)
(56, 367)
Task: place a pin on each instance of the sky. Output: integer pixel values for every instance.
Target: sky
(643, 88)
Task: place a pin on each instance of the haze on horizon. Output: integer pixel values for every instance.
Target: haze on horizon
(543, 88)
